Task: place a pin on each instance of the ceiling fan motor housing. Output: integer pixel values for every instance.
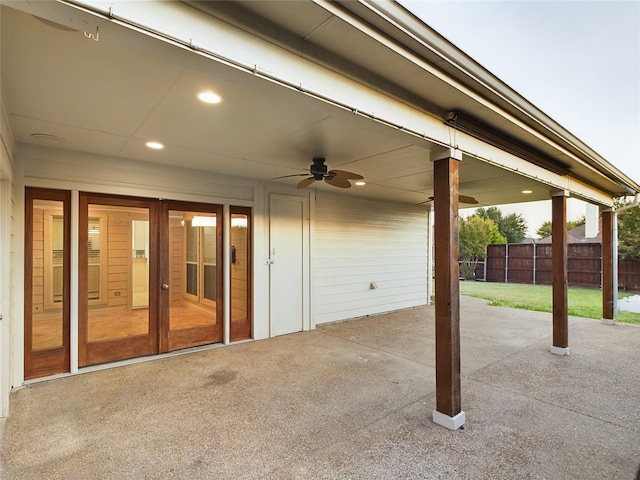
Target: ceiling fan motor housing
(318, 169)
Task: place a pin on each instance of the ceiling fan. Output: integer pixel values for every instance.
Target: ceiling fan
(461, 199)
(319, 171)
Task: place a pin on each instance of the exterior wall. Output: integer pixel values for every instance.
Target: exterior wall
(7, 255)
(69, 170)
(354, 242)
(357, 243)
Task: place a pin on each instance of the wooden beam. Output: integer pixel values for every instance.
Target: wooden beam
(560, 276)
(447, 302)
(608, 314)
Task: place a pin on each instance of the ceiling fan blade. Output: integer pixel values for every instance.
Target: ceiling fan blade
(461, 199)
(338, 181)
(289, 176)
(466, 199)
(345, 174)
(306, 182)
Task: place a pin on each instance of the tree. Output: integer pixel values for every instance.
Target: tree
(513, 227)
(491, 213)
(475, 233)
(629, 232)
(544, 230)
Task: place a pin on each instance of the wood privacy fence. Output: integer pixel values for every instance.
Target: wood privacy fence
(531, 264)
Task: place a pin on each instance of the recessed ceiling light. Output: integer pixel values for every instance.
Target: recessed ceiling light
(527, 192)
(360, 183)
(209, 97)
(46, 137)
(155, 145)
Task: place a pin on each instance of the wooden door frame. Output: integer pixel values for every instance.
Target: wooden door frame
(41, 363)
(117, 349)
(195, 336)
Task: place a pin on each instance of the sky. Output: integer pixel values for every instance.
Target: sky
(578, 61)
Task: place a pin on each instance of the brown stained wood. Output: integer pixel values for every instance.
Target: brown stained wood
(164, 270)
(160, 336)
(447, 301)
(83, 278)
(172, 337)
(91, 352)
(607, 265)
(129, 333)
(194, 337)
(584, 265)
(39, 363)
(559, 271)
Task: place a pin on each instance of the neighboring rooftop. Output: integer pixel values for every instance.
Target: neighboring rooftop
(575, 235)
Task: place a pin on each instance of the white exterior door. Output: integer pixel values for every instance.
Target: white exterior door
(288, 250)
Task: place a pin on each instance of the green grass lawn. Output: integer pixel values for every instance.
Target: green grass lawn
(583, 302)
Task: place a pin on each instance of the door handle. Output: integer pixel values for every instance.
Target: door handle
(165, 286)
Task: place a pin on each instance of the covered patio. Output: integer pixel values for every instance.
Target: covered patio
(348, 400)
(364, 85)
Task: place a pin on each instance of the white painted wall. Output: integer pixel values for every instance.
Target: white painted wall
(357, 242)
(7, 149)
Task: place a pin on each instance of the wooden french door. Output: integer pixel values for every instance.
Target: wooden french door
(47, 282)
(191, 306)
(150, 278)
(118, 280)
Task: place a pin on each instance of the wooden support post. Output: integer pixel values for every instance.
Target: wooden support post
(608, 314)
(447, 302)
(560, 276)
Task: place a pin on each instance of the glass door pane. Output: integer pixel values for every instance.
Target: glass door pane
(193, 241)
(47, 275)
(193, 250)
(209, 264)
(240, 273)
(118, 293)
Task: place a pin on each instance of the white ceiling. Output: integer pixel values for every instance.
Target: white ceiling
(111, 96)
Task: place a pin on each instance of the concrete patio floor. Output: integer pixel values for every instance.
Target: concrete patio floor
(349, 400)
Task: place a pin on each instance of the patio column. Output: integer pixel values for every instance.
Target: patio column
(608, 288)
(560, 276)
(448, 411)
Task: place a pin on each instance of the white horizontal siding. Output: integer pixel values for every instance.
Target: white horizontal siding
(7, 255)
(357, 242)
